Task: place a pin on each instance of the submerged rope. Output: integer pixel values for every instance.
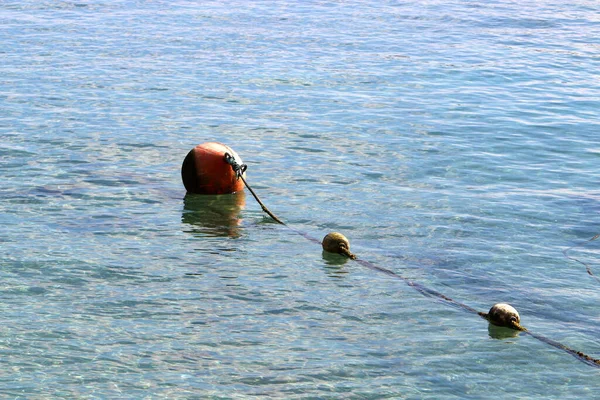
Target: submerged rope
(449, 301)
(594, 362)
(424, 290)
(587, 267)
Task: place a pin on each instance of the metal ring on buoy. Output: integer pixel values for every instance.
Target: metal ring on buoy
(205, 171)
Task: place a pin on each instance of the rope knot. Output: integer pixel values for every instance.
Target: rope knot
(239, 169)
(514, 324)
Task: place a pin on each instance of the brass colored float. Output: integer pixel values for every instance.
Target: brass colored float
(335, 242)
(502, 314)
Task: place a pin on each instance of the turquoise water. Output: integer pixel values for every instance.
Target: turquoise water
(454, 143)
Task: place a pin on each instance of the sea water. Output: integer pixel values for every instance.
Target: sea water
(454, 143)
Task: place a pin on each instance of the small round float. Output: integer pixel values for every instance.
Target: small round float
(335, 242)
(502, 314)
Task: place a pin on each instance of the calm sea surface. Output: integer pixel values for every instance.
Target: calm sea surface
(455, 143)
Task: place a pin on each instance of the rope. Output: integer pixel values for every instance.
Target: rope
(239, 173)
(514, 324)
(240, 169)
(587, 267)
(449, 301)
(594, 362)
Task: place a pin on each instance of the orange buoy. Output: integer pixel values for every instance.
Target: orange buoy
(205, 171)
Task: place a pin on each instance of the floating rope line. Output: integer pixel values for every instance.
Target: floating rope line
(587, 267)
(513, 324)
(510, 320)
(594, 362)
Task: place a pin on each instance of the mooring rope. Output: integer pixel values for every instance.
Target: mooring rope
(424, 290)
(587, 267)
(239, 172)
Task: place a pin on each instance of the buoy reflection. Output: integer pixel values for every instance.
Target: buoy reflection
(334, 264)
(213, 215)
(501, 332)
(334, 259)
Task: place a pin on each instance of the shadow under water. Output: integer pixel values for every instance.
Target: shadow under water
(335, 264)
(500, 332)
(334, 258)
(213, 215)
